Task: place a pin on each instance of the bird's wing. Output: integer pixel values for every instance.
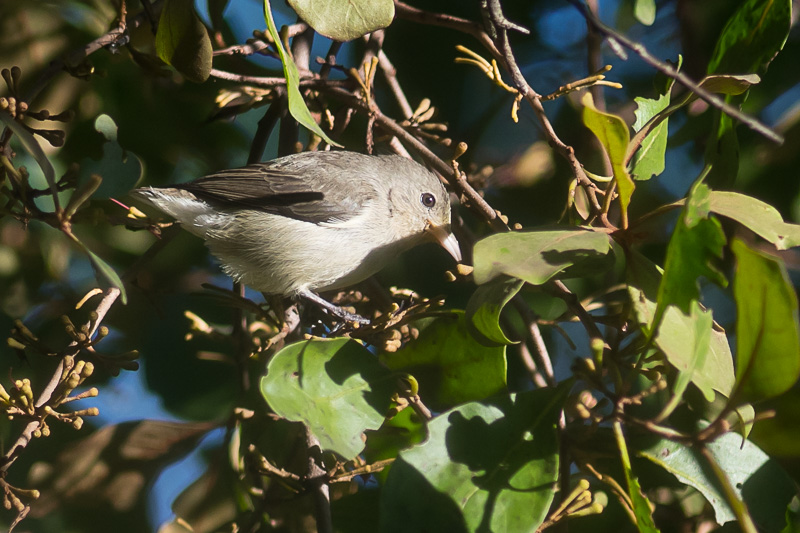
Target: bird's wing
(276, 190)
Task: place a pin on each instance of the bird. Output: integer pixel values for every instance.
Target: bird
(313, 221)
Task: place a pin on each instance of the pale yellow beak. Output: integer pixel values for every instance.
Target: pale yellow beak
(446, 239)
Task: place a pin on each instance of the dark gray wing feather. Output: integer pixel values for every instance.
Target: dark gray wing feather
(283, 191)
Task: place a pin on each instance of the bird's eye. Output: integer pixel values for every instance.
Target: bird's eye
(427, 199)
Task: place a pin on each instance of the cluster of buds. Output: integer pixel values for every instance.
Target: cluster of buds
(584, 406)
(20, 401)
(82, 335)
(393, 330)
(395, 338)
(13, 497)
(17, 107)
(22, 337)
(84, 339)
(73, 375)
(579, 502)
(421, 125)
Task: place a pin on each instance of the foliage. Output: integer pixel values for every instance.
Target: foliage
(581, 368)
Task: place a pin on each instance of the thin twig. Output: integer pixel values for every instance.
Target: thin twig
(532, 331)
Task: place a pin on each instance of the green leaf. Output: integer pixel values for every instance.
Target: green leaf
(759, 217)
(119, 170)
(641, 505)
(614, 135)
(484, 308)
(752, 37)
(767, 338)
(104, 270)
(297, 105)
(648, 161)
(182, 40)
(645, 11)
(715, 368)
(449, 364)
(537, 256)
(759, 480)
(696, 243)
(696, 338)
(345, 20)
(484, 467)
(728, 84)
(31, 146)
(336, 387)
(642, 511)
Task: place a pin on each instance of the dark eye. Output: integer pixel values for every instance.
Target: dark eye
(427, 199)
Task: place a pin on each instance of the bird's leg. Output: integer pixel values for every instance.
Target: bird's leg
(331, 308)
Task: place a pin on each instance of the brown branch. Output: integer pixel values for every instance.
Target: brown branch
(311, 82)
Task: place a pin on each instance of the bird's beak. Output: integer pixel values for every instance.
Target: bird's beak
(446, 239)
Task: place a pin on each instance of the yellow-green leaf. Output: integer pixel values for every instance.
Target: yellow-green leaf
(297, 106)
(614, 135)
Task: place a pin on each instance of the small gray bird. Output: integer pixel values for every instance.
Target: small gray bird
(312, 221)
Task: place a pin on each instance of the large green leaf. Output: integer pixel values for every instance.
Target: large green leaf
(297, 105)
(759, 480)
(537, 256)
(614, 135)
(449, 364)
(336, 387)
(119, 170)
(182, 40)
(759, 217)
(484, 467)
(696, 244)
(767, 338)
(715, 368)
(345, 20)
(752, 37)
(484, 308)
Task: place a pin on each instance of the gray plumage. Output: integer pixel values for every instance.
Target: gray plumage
(312, 221)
